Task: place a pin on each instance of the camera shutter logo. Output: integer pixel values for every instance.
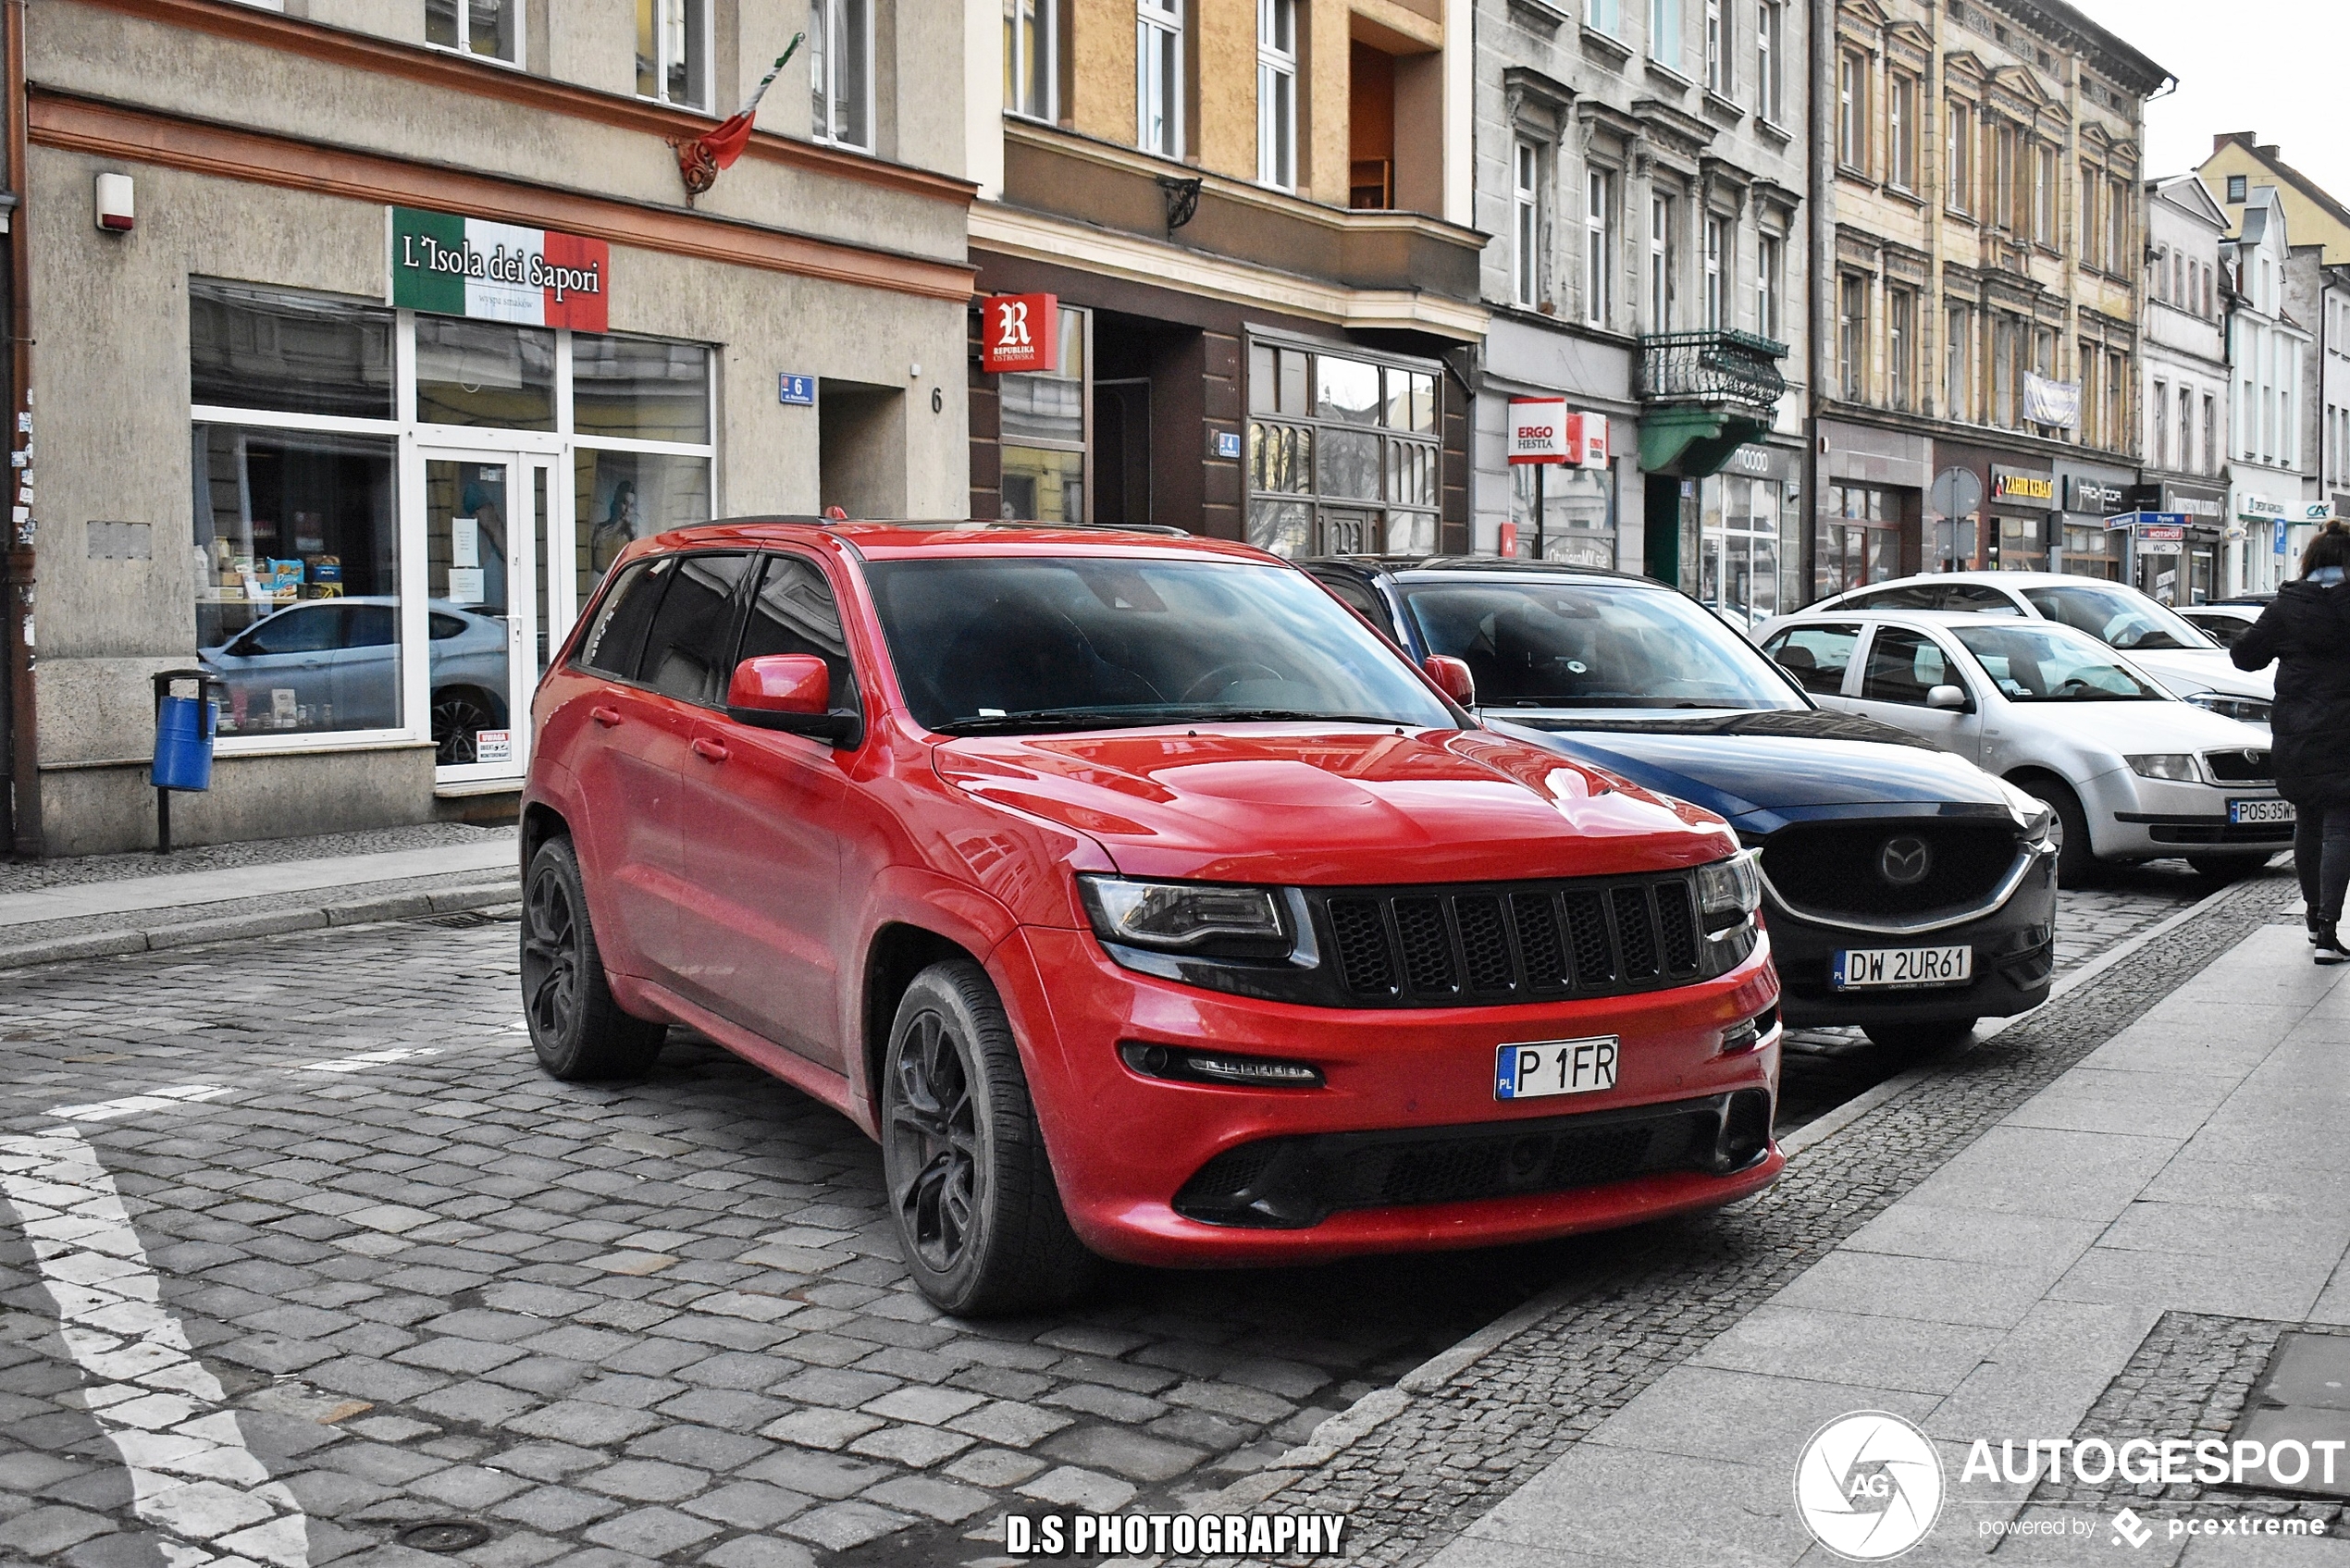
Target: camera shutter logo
(1904, 861)
(1868, 1486)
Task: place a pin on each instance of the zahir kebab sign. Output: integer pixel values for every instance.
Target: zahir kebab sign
(454, 266)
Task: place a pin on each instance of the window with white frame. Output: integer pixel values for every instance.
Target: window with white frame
(1158, 77)
(1901, 131)
(1851, 335)
(1901, 346)
(2210, 435)
(1958, 358)
(2044, 194)
(490, 29)
(1660, 262)
(840, 71)
(1853, 111)
(1768, 252)
(1598, 245)
(1665, 33)
(1032, 62)
(1958, 172)
(1526, 226)
(2186, 427)
(1605, 16)
(1717, 49)
(1716, 284)
(1277, 93)
(2161, 453)
(672, 52)
(1770, 39)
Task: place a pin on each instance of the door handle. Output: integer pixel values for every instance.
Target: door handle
(607, 716)
(709, 750)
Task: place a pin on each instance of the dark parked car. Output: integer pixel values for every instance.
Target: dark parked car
(1907, 890)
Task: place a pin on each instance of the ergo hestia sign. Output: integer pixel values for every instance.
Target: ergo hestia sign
(453, 265)
(1542, 431)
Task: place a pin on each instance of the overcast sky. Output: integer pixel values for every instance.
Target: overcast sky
(2274, 66)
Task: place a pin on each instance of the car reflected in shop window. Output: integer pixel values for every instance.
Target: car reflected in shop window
(334, 664)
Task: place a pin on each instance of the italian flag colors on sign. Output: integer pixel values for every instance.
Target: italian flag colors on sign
(454, 266)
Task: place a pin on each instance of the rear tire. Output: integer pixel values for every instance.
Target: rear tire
(977, 1212)
(577, 1030)
(2075, 864)
(1936, 1034)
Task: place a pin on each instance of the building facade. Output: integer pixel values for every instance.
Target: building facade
(2268, 356)
(1981, 311)
(1249, 225)
(415, 324)
(2183, 399)
(1641, 164)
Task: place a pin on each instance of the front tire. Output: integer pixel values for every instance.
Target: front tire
(577, 1030)
(978, 1214)
(2075, 863)
(1920, 1038)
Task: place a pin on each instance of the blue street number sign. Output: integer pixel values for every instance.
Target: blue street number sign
(799, 390)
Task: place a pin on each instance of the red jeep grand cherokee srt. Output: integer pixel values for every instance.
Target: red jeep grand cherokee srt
(1137, 897)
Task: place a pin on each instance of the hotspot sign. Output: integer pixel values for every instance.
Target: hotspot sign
(454, 266)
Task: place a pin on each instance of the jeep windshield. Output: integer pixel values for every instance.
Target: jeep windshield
(1036, 645)
(1593, 644)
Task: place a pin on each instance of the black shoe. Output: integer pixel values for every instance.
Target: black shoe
(2327, 944)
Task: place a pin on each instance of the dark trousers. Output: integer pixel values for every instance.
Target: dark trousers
(2321, 853)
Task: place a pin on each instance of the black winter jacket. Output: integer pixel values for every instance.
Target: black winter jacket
(2307, 632)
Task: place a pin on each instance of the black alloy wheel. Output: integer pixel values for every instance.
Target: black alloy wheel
(934, 1128)
(971, 1191)
(576, 1028)
(458, 713)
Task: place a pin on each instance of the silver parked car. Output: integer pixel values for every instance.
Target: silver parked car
(340, 658)
(2132, 773)
(2189, 662)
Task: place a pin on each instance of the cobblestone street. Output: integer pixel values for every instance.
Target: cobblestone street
(660, 1321)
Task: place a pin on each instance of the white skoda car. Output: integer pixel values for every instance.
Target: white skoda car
(2187, 660)
(2132, 773)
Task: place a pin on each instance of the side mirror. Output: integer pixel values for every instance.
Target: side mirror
(1451, 677)
(792, 692)
(1952, 697)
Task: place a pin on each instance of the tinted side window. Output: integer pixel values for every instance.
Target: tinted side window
(1903, 666)
(1816, 656)
(686, 651)
(1911, 596)
(612, 641)
(1363, 596)
(372, 625)
(307, 630)
(794, 611)
(1980, 597)
(2225, 629)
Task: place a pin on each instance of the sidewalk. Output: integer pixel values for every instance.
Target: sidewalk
(107, 906)
(2115, 1259)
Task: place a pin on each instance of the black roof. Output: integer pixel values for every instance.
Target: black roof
(1390, 565)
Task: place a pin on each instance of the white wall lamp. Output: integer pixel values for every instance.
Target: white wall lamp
(115, 209)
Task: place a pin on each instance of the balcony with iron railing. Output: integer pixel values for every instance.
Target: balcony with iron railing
(1704, 395)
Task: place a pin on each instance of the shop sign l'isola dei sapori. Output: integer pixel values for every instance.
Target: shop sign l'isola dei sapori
(454, 266)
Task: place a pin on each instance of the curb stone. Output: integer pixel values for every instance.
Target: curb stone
(229, 928)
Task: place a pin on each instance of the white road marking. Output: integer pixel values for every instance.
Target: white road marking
(153, 1100)
(372, 1059)
(191, 1473)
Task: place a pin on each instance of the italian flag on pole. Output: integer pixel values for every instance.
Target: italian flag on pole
(454, 266)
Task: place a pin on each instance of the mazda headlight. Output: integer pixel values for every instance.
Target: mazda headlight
(1728, 892)
(2034, 817)
(1189, 917)
(2176, 766)
(2244, 710)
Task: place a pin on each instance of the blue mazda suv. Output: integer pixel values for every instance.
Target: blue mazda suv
(1908, 890)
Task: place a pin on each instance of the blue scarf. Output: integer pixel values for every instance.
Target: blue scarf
(2327, 577)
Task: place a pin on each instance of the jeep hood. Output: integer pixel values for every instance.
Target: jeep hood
(1318, 805)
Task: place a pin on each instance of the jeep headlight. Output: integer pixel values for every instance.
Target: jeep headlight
(1189, 917)
(2178, 767)
(1728, 892)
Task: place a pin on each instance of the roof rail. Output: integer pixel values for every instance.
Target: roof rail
(978, 524)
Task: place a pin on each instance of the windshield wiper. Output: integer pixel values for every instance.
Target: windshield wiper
(1034, 718)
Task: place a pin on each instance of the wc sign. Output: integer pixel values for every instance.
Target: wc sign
(1540, 430)
(1019, 332)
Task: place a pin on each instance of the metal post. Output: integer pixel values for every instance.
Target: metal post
(1540, 469)
(163, 821)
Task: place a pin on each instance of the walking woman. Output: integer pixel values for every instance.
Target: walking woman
(2307, 631)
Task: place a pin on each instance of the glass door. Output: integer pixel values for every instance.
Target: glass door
(485, 515)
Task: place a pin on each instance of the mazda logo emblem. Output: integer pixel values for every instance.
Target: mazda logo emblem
(1904, 861)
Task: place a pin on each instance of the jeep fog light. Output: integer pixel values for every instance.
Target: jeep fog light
(1218, 1066)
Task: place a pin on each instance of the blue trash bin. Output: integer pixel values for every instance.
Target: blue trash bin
(184, 730)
